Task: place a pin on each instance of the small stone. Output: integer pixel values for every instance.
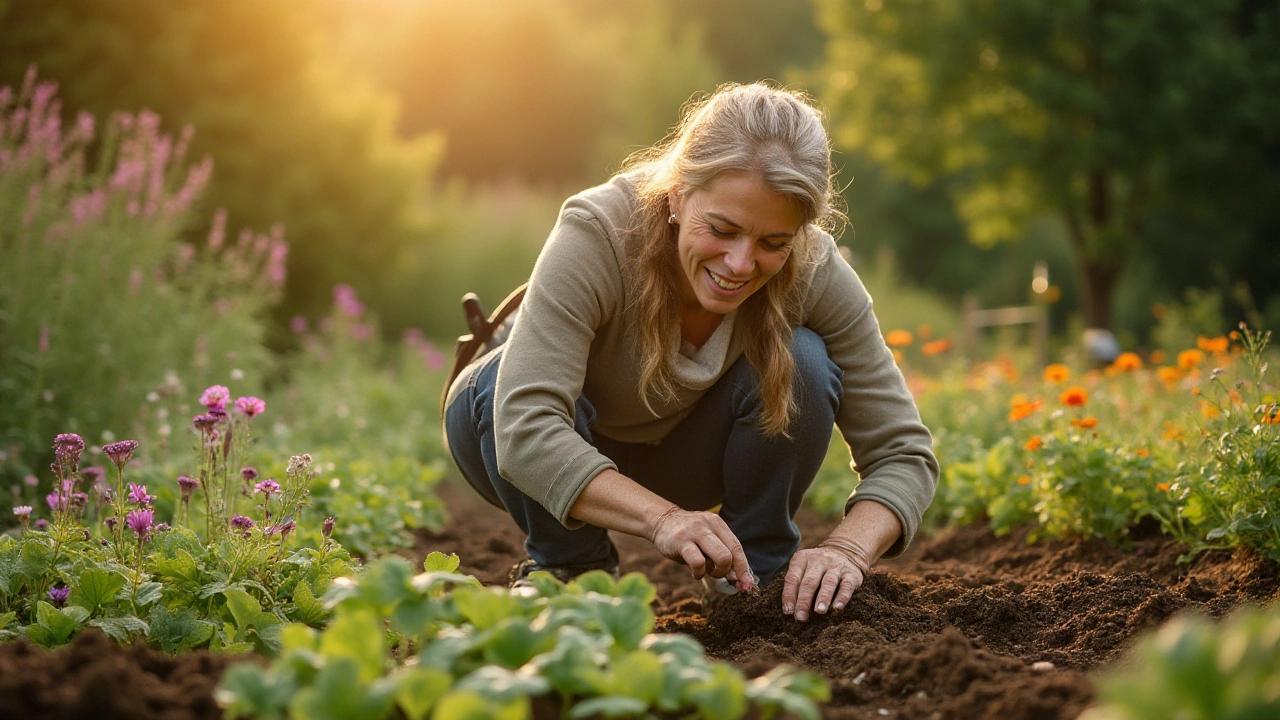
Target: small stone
(1041, 666)
(883, 712)
(861, 676)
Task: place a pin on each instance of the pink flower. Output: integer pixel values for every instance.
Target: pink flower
(121, 452)
(140, 522)
(215, 397)
(267, 487)
(138, 495)
(250, 406)
(298, 324)
(344, 299)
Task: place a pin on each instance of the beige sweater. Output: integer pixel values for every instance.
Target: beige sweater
(573, 337)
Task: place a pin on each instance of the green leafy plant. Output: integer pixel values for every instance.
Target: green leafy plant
(438, 644)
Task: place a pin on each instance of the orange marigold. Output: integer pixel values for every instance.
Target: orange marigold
(1162, 486)
(1142, 452)
(1085, 423)
(1212, 345)
(1057, 373)
(1272, 416)
(1157, 357)
(925, 332)
(1169, 374)
(1188, 359)
(1034, 443)
(1024, 480)
(1074, 397)
(1209, 410)
(936, 347)
(899, 338)
(1127, 362)
(1172, 432)
(1023, 410)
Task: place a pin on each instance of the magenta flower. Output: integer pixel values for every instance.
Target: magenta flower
(298, 324)
(344, 298)
(111, 522)
(249, 473)
(215, 397)
(241, 522)
(59, 595)
(287, 528)
(68, 446)
(140, 522)
(267, 487)
(205, 423)
(57, 501)
(326, 528)
(187, 485)
(250, 406)
(42, 524)
(121, 452)
(138, 495)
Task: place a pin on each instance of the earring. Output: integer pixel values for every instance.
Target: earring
(671, 220)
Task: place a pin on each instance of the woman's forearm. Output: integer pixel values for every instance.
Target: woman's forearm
(871, 526)
(614, 501)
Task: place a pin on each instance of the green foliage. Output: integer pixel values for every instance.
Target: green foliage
(1195, 669)
(90, 222)
(464, 650)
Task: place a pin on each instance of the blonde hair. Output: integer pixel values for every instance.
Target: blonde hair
(776, 134)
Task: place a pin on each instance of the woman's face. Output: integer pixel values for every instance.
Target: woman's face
(735, 234)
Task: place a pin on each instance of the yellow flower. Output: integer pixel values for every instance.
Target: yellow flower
(899, 338)
(1074, 397)
(1057, 373)
(1034, 443)
(1127, 362)
(1188, 359)
(1085, 423)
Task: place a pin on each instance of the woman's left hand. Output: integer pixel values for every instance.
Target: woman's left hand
(820, 578)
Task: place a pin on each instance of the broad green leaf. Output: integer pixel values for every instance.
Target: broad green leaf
(357, 633)
(635, 585)
(626, 619)
(573, 664)
(419, 688)
(59, 624)
(610, 706)
(296, 636)
(501, 684)
(484, 607)
(266, 631)
(41, 636)
(638, 674)
(306, 608)
(180, 567)
(386, 582)
(512, 642)
(147, 593)
(340, 692)
(435, 583)
(6, 618)
(412, 617)
(96, 588)
(246, 691)
(683, 648)
(465, 705)
(213, 588)
(180, 630)
(722, 696)
(439, 562)
(596, 581)
(120, 628)
(244, 608)
(443, 652)
(545, 583)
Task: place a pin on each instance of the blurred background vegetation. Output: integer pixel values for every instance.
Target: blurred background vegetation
(419, 149)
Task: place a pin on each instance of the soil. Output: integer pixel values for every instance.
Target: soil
(964, 625)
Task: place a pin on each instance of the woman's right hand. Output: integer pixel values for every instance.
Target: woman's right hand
(705, 543)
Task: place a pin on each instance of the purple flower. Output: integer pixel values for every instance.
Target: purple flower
(187, 485)
(344, 298)
(298, 324)
(140, 522)
(31, 481)
(68, 446)
(287, 528)
(161, 527)
(59, 595)
(111, 523)
(57, 501)
(219, 413)
(138, 495)
(121, 452)
(326, 528)
(267, 487)
(205, 423)
(241, 522)
(42, 524)
(250, 406)
(92, 474)
(79, 499)
(22, 511)
(215, 397)
(249, 473)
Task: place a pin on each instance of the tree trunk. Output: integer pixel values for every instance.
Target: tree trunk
(1099, 269)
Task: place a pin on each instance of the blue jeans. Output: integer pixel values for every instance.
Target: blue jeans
(716, 456)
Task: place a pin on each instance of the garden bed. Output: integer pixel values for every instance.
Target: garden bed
(954, 629)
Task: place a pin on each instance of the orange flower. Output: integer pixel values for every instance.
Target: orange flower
(1142, 452)
(1034, 443)
(1212, 345)
(1057, 373)
(899, 338)
(1271, 415)
(1162, 486)
(1233, 335)
(1023, 410)
(1074, 397)
(1024, 480)
(936, 347)
(1085, 423)
(1208, 409)
(1235, 397)
(1172, 432)
(1188, 359)
(1169, 374)
(897, 357)
(1157, 357)
(1127, 362)
(925, 332)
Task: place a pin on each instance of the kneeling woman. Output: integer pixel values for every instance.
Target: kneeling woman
(689, 337)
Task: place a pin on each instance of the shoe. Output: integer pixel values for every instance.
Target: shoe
(714, 591)
(519, 575)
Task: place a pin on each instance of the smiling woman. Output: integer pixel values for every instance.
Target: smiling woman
(688, 339)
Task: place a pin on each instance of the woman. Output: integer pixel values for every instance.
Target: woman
(688, 339)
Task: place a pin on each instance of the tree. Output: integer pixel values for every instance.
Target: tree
(1086, 110)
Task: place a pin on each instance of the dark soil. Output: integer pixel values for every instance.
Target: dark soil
(965, 625)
